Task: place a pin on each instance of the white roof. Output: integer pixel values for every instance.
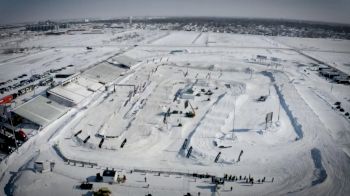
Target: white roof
(72, 91)
(104, 72)
(125, 60)
(41, 110)
(89, 83)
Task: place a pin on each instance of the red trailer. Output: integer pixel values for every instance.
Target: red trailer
(6, 99)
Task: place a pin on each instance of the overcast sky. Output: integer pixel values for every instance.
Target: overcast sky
(34, 10)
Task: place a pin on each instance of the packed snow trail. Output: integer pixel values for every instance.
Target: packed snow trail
(283, 102)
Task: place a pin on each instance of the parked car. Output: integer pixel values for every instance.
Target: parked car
(21, 135)
(4, 147)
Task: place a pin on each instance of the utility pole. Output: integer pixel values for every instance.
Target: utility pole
(331, 87)
(31, 72)
(234, 113)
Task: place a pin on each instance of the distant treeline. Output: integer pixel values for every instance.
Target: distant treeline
(271, 27)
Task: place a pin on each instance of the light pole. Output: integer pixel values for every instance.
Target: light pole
(234, 115)
(234, 109)
(331, 87)
(31, 71)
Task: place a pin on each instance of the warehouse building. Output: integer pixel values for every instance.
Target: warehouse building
(123, 61)
(40, 110)
(104, 72)
(73, 90)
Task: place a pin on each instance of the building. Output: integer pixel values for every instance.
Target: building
(104, 72)
(123, 61)
(40, 111)
(73, 91)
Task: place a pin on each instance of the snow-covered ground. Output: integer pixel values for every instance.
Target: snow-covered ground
(332, 45)
(45, 60)
(304, 150)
